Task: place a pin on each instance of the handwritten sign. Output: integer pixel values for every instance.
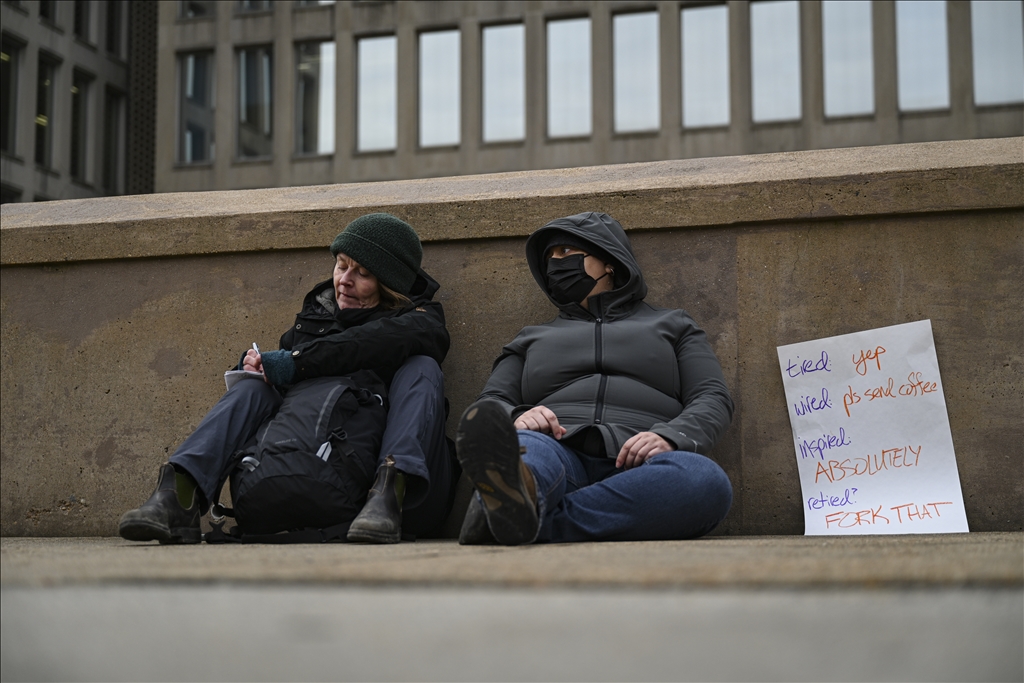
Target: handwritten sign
(871, 433)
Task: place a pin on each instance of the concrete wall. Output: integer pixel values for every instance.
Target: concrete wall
(120, 314)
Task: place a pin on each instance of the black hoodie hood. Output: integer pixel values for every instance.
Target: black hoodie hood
(605, 233)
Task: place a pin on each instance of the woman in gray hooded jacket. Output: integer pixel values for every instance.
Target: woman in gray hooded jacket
(596, 425)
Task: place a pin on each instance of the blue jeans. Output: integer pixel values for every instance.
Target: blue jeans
(414, 435)
(672, 496)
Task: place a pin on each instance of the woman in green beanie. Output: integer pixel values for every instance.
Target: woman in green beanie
(376, 314)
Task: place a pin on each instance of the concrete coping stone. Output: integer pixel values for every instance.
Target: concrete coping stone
(992, 559)
(888, 179)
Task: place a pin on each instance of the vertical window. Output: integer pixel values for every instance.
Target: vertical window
(196, 107)
(377, 75)
(439, 88)
(849, 64)
(255, 102)
(775, 60)
(313, 3)
(113, 146)
(45, 78)
(998, 47)
(115, 10)
(314, 97)
(569, 103)
(191, 9)
(705, 32)
(504, 83)
(9, 194)
(81, 20)
(922, 55)
(80, 87)
(9, 54)
(255, 5)
(636, 72)
(47, 10)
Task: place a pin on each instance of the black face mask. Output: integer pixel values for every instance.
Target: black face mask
(568, 281)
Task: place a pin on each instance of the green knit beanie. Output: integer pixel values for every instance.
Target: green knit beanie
(386, 246)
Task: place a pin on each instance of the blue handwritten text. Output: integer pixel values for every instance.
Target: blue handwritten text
(803, 367)
(809, 404)
(826, 442)
(823, 501)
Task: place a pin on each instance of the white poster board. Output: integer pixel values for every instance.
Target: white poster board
(871, 433)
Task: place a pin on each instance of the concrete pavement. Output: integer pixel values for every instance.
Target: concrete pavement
(749, 608)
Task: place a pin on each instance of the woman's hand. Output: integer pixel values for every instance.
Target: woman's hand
(640, 447)
(252, 361)
(540, 419)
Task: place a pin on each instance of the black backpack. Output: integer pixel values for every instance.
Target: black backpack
(309, 468)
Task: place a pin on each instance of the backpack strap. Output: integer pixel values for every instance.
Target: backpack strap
(333, 534)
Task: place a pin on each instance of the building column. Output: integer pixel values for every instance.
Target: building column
(887, 112)
(740, 112)
(961, 70)
(344, 93)
(812, 76)
(535, 31)
(283, 94)
(471, 91)
(670, 142)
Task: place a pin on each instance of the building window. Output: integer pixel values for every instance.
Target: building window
(9, 194)
(314, 97)
(849, 64)
(504, 103)
(922, 55)
(81, 21)
(113, 145)
(998, 43)
(255, 102)
(775, 60)
(705, 34)
(439, 93)
(45, 81)
(191, 9)
(9, 56)
(377, 87)
(81, 85)
(48, 10)
(636, 72)
(255, 5)
(313, 3)
(115, 11)
(569, 106)
(195, 135)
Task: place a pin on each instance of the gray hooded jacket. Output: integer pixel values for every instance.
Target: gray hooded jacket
(623, 367)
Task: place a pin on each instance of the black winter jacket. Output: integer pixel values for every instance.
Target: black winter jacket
(325, 342)
(623, 367)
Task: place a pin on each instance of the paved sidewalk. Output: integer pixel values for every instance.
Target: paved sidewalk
(912, 608)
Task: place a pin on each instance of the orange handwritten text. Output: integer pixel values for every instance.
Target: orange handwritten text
(870, 465)
(914, 386)
(849, 520)
(860, 364)
(850, 398)
(916, 513)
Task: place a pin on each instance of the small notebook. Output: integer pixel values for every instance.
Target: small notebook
(231, 377)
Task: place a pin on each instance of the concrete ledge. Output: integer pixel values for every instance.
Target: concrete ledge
(120, 315)
(977, 559)
(892, 179)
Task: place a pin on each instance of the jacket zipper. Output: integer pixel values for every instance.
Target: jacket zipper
(599, 352)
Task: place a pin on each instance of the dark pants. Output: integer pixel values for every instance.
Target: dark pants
(414, 436)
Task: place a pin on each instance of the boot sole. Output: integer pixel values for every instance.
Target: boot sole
(139, 530)
(488, 450)
(367, 536)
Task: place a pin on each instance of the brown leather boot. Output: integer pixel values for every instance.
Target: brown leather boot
(162, 517)
(380, 520)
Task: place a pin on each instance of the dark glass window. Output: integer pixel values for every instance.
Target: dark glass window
(80, 87)
(9, 194)
(255, 5)
(115, 9)
(82, 19)
(314, 97)
(113, 149)
(196, 107)
(255, 102)
(48, 10)
(45, 77)
(8, 93)
(197, 8)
